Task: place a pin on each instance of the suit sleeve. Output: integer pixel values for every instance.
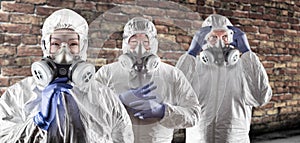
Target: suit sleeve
(258, 91)
(186, 111)
(16, 124)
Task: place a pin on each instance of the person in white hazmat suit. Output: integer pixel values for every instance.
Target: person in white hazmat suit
(61, 102)
(229, 80)
(157, 96)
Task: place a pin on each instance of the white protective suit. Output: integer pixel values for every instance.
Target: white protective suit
(226, 94)
(104, 118)
(182, 109)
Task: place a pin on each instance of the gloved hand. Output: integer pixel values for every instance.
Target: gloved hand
(240, 40)
(149, 109)
(50, 96)
(137, 94)
(198, 41)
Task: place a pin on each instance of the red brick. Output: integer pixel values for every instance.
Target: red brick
(278, 31)
(35, 30)
(259, 22)
(24, 50)
(7, 50)
(25, 19)
(12, 61)
(290, 32)
(183, 39)
(282, 50)
(265, 30)
(205, 10)
(293, 20)
(193, 16)
(15, 28)
(184, 46)
(131, 10)
(59, 3)
(116, 17)
(177, 31)
(285, 58)
(17, 7)
(32, 1)
(253, 29)
(86, 5)
(183, 24)
(104, 7)
(12, 39)
(286, 110)
(285, 25)
(268, 105)
(166, 44)
(147, 3)
(163, 21)
(291, 71)
(242, 14)
(176, 14)
(29, 39)
(4, 82)
(255, 15)
(225, 12)
(110, 44)
(161, 29)
(166, 5)
(45, 11)
(154, 11)
(120, 1)
(16, 71)
(273, 24)
(268, 64)
(116, 35)
(4, 17)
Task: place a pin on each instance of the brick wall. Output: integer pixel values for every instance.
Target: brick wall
(272, 27)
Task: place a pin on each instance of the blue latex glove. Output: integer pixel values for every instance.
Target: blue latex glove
(137, 94)
(240, 40)
(50, 96)
(198, 41)
(157, 110)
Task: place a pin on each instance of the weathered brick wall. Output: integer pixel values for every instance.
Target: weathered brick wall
(272, 27)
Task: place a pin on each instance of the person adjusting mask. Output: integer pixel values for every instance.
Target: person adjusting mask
(228, 79)
(157, 96)
(62, 102)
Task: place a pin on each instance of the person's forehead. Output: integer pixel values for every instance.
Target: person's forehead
(139, 35)
(219, 32)
(64, 34)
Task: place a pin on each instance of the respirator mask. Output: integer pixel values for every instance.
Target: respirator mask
(139, 59)
(64, 61)
(218, 51)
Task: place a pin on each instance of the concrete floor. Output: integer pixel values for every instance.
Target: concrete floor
(292, 136)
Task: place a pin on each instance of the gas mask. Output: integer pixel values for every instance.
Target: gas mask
(64, 61)
(139, 60)
(218, 51)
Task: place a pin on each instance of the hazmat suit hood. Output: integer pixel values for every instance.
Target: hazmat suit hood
(218, 22)
(140, 25)
(65, 19)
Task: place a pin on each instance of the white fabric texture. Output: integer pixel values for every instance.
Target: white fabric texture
(173, 89)
(104, 118)
(226, 95)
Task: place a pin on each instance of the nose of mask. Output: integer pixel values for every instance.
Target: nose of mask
(140, 51)
(219, 44)
(63, 56)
